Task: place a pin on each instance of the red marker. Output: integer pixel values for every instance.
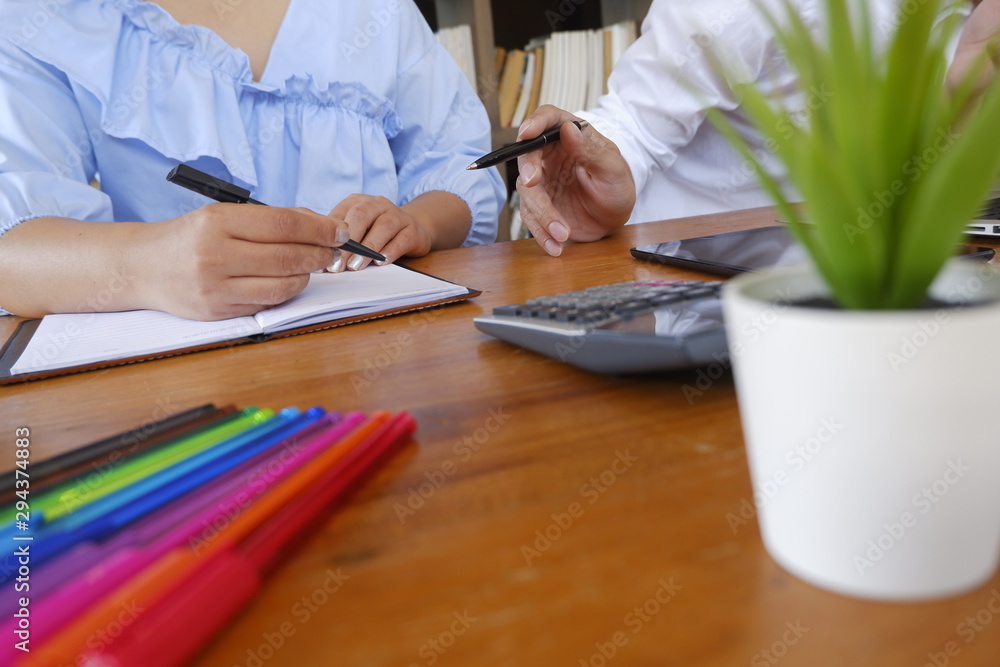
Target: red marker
(174, 629)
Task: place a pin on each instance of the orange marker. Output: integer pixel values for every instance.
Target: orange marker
(176, 567)
(175, 628)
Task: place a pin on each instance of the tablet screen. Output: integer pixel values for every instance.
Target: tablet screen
(728, 254)
(746, 250)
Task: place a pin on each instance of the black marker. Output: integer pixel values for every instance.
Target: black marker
(219, 190)
(519, 148)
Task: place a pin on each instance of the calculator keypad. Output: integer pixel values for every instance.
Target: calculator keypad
(598, 306)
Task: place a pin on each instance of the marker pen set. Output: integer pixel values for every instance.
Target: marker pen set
(184, 520)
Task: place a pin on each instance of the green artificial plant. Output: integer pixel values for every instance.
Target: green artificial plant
(891, 163)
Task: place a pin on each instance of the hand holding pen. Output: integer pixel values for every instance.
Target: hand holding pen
(577, 189)
(221, 261)
(223, 191)
(523, 146)
(378, 220)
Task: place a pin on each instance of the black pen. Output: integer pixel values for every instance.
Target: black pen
(220, 190)
(519, 148)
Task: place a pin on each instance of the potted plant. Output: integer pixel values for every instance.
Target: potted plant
(866, 378)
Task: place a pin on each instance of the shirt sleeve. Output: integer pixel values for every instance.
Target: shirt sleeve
(445, 128)
(661, 88)
(46, 158)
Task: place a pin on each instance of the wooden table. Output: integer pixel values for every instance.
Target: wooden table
(542, 516)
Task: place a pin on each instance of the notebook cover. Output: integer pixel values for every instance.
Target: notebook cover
(15, 345)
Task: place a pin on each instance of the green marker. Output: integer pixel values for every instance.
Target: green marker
(75, 493)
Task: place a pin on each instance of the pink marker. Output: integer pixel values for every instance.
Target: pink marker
(55, 610)
(53, 574)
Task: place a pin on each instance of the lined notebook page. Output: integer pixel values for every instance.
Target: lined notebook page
(64, 341)
(354, 293)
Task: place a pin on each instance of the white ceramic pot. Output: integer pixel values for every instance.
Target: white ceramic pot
(872, 437)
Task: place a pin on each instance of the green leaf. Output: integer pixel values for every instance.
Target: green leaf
(890, 164)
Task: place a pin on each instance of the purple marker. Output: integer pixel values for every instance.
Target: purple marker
(61, 606)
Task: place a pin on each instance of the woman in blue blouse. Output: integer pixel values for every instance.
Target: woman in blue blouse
(346, 117)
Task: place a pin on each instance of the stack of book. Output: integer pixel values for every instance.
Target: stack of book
(457, 40)
(182, 519)
(567, 69)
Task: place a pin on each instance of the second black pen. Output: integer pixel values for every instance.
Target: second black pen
(519, 148)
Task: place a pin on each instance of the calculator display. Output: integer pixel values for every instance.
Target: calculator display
(681, 319)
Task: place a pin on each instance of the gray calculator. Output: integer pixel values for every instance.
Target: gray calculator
(640, 326)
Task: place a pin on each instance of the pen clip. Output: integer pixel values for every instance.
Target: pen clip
(211, 187)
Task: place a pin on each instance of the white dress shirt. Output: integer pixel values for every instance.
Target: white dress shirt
(659, 91)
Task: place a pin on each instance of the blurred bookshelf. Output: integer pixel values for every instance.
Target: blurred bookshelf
(524, 53)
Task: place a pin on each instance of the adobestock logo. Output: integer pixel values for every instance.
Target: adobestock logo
(364, 34)
(592, 490)
(463, 450)
(896, 530)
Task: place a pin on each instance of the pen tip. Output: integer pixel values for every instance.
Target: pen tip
(474, 165)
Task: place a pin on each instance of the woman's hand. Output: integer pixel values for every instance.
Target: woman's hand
(229, 260)
(431, 221)
(218, 261)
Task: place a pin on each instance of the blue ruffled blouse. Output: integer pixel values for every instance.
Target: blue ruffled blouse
(357, 97)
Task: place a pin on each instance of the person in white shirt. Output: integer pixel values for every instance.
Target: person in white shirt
(649, 153)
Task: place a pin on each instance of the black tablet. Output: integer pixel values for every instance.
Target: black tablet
(747, 250)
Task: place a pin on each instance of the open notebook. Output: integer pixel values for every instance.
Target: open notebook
(58, 344)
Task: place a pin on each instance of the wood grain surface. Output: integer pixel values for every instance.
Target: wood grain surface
(542, 515)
